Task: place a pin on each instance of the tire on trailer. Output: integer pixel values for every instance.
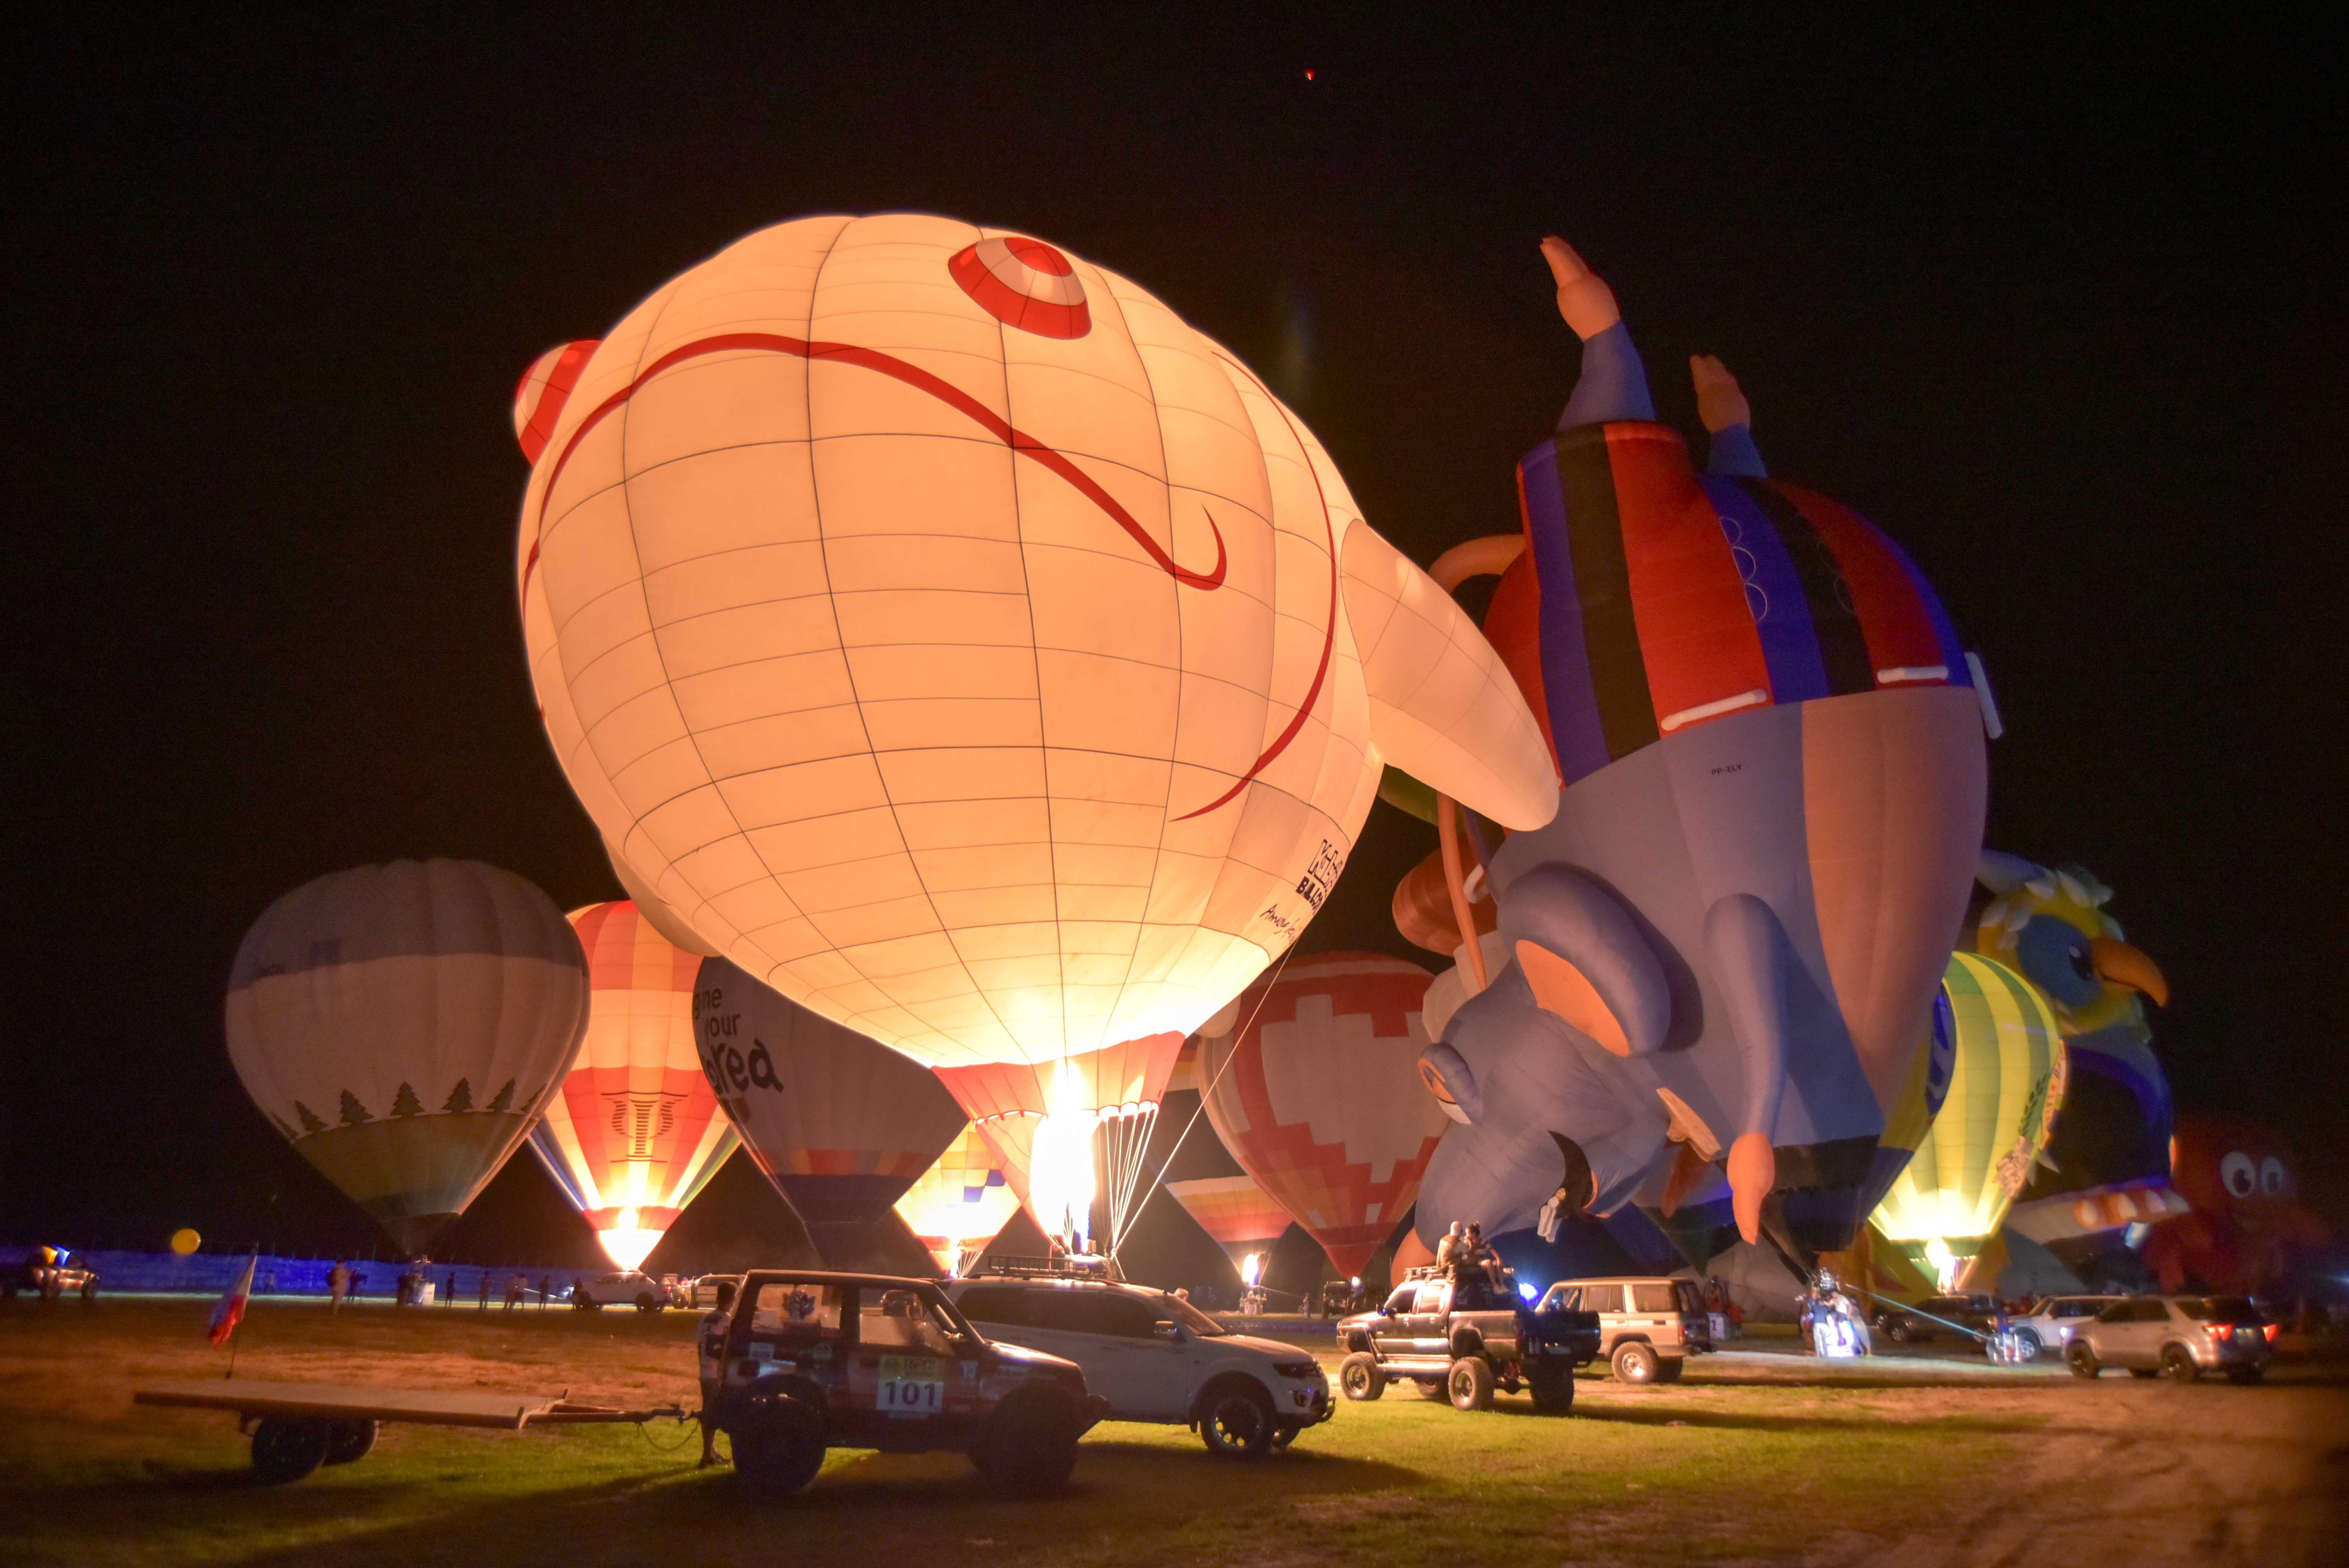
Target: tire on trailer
(1236, 1419)
(1360, 1379)
(1031, 1445)
(1470, 1383)
(284, 1450)
(1635, 1362)
(778, 1448)
(348, 1442)
(1553, 1388)
(2082, 1358)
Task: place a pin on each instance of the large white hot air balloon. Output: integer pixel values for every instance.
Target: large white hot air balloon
(940, 628)
(404, 1025)
(635, 1131)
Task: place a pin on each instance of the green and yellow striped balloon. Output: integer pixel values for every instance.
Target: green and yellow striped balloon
(2006, 1081)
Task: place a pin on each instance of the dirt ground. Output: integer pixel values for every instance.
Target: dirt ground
(1758, 1457)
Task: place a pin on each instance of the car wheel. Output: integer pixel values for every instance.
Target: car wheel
(2082, 1359)
(1635, 1363)
(1897, 1330)
(2245, 1373)
(1470, 1383)
(648, 1303)
(778, 1451)
(286, 1450)
(2027, 1344)
(1359, 1378)
(2178, 1365)
(1031, 1445)
(348, 1442)
(1669, 1367)
(1432, 1389)
(1235, 1421)
(1284, 1436)
(1553, 1389)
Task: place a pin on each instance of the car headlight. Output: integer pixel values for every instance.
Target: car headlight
(1298, 1369)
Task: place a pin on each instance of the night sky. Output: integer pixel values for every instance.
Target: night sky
(2060, 311)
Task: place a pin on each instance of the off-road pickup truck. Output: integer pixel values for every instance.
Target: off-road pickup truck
(1461, 1342)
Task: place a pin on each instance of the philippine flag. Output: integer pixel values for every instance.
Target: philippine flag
(229, 1311)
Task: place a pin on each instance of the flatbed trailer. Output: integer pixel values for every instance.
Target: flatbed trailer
(297, 1427)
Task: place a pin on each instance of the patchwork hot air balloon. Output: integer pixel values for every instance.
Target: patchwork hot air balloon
(938, 627)
(636, 1131)
(841, 1125)
(961, 1201)
(1769, 748)
(2006, 1084)
(1316, 1095)
(404, 1025)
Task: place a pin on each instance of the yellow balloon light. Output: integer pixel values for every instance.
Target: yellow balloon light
(963, 1199)
(2006, 1083)
(940, 628)
(185, 1241)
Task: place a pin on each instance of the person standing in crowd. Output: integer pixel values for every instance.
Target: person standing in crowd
(515, 1290)
(449, 1289)
(546, 1289)
(709, 1342)
(338, 1285)
(485, 1289)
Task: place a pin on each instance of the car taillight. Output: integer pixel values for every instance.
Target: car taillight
(2271, 1332)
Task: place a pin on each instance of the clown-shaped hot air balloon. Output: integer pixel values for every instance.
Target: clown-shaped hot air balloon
(1720, 955)
(1315, 1093)
(842, 1125)
(961, 1201)
(635, 1131)
(403, 1024)
(938, 627)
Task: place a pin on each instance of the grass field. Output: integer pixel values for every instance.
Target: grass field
(1743, 1462)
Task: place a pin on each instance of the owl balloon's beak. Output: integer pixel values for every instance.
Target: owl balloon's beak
(2123, 964)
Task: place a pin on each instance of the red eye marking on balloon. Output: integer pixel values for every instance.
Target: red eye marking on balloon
(921, 380)
(1020, 442)
(1329, 626)
(1025, 284)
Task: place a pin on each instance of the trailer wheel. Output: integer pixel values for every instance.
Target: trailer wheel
(348, 1442)
(285, 1450)
(1359, 1378)
(1553, 1388)
(778, 1451)
(1471, 1384)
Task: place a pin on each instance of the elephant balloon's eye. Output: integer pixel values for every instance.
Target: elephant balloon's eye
(2274, 1180)
(2240, 1176)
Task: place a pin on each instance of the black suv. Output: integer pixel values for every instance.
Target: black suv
(818, 1360)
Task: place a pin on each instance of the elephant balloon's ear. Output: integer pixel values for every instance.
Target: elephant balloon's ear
(544, 388)
(1444, 707)
(2002, 874)
(1561, 989)
(1587, 960)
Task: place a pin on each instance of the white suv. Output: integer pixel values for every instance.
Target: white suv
(1156, 1357)
(2046, 1328)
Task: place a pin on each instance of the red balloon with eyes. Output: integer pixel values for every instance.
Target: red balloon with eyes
(2248, 1223)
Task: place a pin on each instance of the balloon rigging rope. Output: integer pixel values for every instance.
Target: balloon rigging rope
(1159, 1180)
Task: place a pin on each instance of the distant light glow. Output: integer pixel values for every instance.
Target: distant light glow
(1526, 1290)
(1308, 75)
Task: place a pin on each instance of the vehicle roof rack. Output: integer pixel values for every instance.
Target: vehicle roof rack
(1013, 1265)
